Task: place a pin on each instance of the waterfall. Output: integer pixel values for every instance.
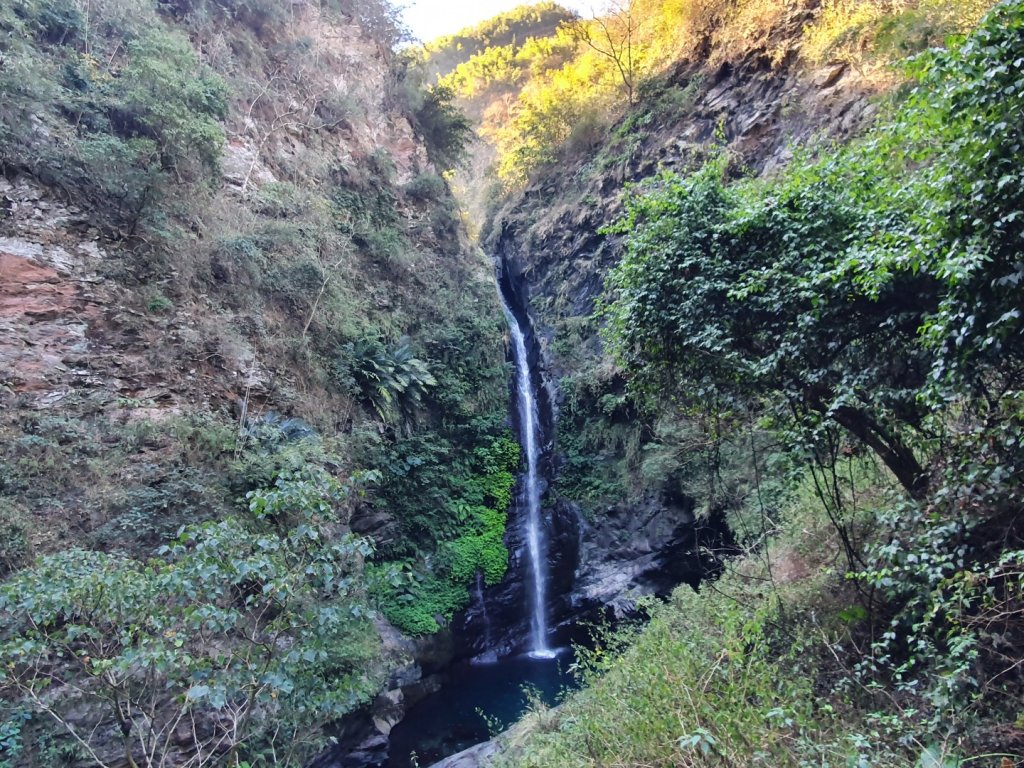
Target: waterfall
(483, 608)
(526, 402)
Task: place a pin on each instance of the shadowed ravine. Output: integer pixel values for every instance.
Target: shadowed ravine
(512, 644)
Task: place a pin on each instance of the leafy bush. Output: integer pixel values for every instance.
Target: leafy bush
(147, 515)
(523, 23)
(158, 303)
(865, 34)
(15, 541)
(249, 633)
(280, 200)
(427, 187)
(417, 602)
(444, 128)
(468, 522)
(600, 438)
(390, 378)
(699, 295)
(158, 96)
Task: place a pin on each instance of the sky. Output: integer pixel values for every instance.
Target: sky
(429, 19)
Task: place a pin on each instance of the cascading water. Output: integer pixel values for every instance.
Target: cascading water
(483, 608)
(526, 402)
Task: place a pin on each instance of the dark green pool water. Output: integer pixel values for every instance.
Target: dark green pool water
(475, 694)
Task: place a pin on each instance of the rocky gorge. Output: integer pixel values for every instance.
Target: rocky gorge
(550, 258)
(296, 471)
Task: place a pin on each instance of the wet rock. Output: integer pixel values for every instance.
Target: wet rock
(646, 549)
(475, 757)
(388, 709)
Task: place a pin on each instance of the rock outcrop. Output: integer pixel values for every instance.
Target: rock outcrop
(549, 236)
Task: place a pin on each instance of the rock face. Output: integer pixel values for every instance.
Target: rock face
(49, 305)
(647, 549)
(548, 240)
(498, 620)
(474, 757)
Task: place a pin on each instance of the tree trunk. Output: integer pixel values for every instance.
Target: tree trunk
(900, 460)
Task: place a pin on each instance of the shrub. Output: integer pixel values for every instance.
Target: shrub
(427, 187)
(159, 304)
(248, 634)
(465, 512)
(281, 200)
(869, 299)
(868, 33)
(15, 536)
(390, 378)
(444, 128)
(159, 96)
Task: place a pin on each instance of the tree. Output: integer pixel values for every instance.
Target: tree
(246, 636)
(445, 129)
(869, 289)
(615, 35)
(724, 296)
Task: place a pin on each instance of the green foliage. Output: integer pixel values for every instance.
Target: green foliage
(381, 20)
(600, 435)
(159, 304)
(114, 108)
(752, 670)
(550, 90)
(147, 515)
(367, 210)
(160, 96)
(267, 452)
(548, 111)
(811, 282)
(15, 541)
(444, 128)
(498, 69)
(870, 299)
(390, 378)
(865, 34)
(459, 501)
(417, 602)
(960, 122)
(727, 288)
(252, 633)
(427, 187)
(481, 511)
(281, 200)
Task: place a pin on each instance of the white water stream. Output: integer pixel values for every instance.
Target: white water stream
(535, 539)
(483, 608)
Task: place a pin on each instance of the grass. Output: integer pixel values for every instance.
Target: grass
(872, 35)
(754, 670)
(705, 683)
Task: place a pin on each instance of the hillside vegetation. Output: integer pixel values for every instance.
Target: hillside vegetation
(831, 352)
(548, 95)
(253, 382)
(253, 389)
